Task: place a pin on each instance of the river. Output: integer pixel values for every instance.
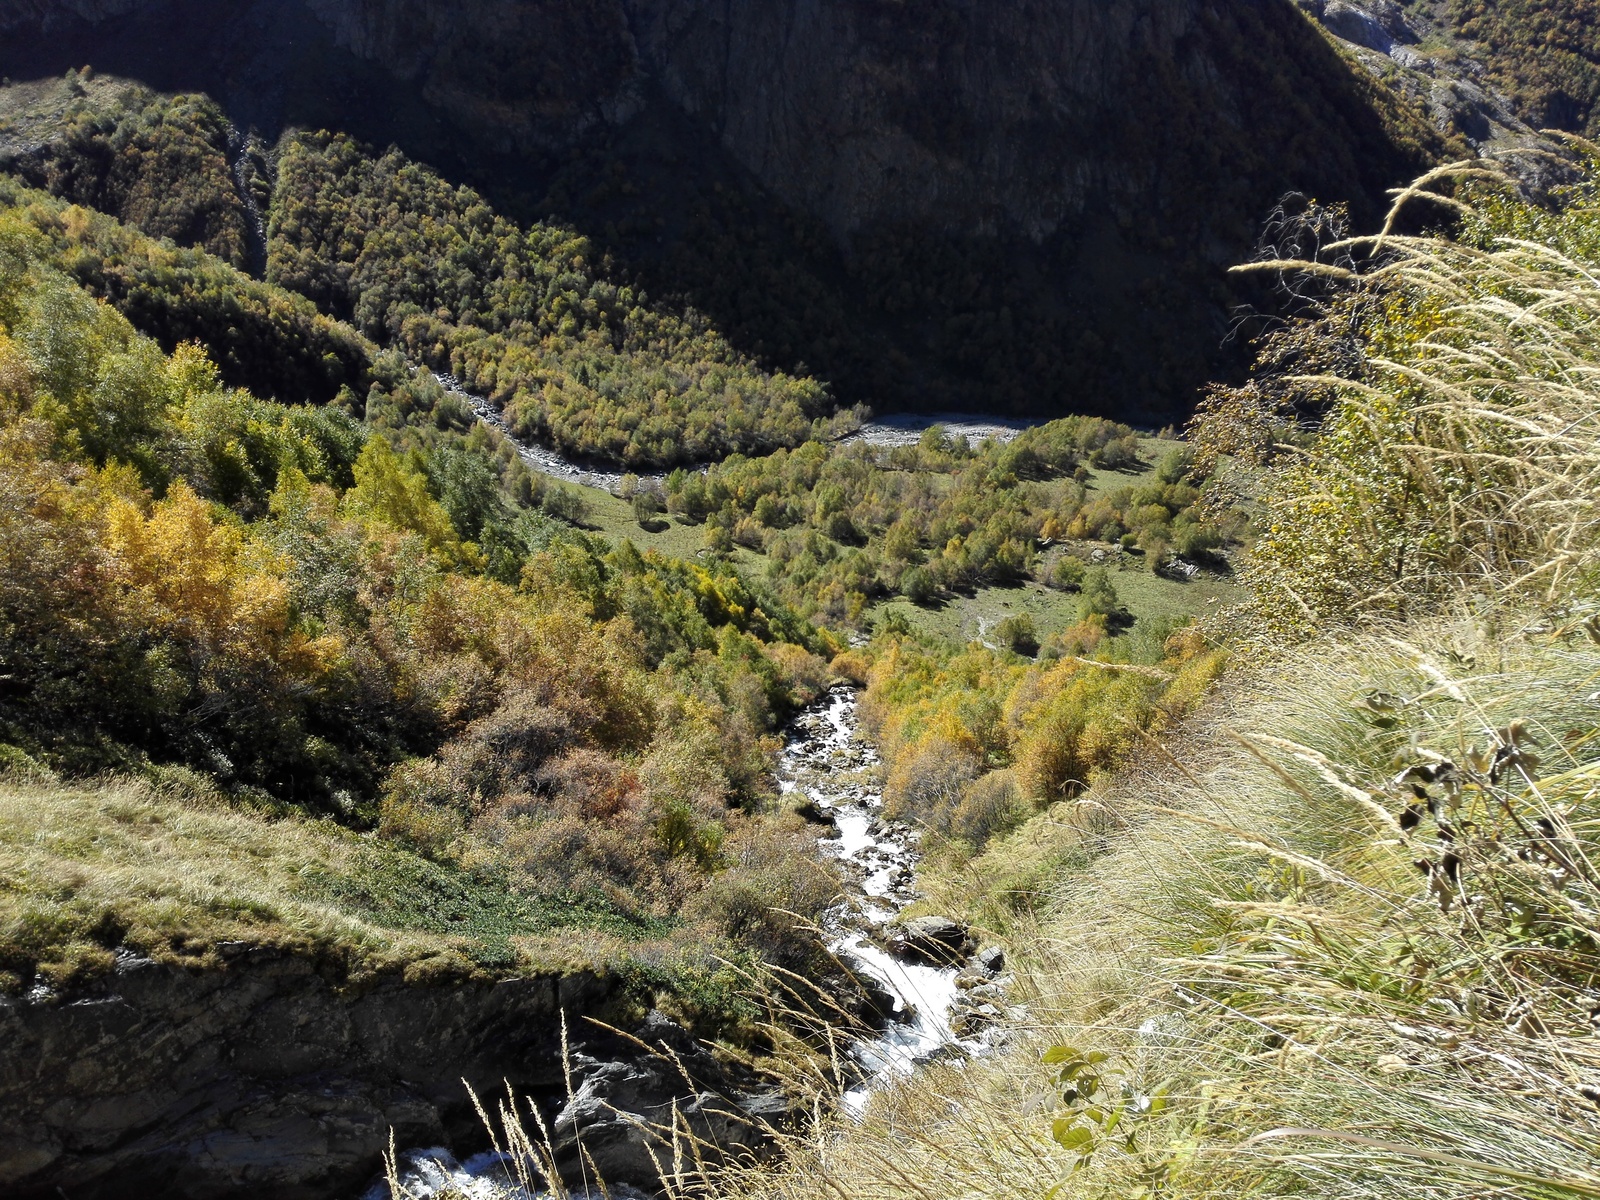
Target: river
(826, 762)
(896, 429)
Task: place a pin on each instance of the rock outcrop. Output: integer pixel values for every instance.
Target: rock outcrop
(622, 1115)
(274, 1078)
(938, 941)
(267, 1078)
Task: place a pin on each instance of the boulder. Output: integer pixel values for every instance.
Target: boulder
(878, 1003)
(970, 1022)
(813, 813)
(622, 1113)
(992, 960)
(1345, 20)
(623, 1116)
(940, 941)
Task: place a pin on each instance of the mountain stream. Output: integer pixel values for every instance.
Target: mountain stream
(836, 774)
(897, 429)
(827, 762)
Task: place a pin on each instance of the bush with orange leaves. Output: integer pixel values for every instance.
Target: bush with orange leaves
(975, 741)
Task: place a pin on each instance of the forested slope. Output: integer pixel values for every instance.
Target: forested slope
(936, 209)
(278, 610)
(1544, 53)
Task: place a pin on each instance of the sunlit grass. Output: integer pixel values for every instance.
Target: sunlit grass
(176, 873)
(1237, 920)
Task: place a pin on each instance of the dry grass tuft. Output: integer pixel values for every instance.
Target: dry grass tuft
(1457, 387)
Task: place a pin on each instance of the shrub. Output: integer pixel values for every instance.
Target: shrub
(927, 780)
(1176, 465)
(771, 896)
(1017, 634)
(991, 806)
(1069, 574)
(917, 585)
(1457, 449)
(1098, 596)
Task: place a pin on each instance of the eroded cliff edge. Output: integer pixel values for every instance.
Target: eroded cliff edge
(271, 1077)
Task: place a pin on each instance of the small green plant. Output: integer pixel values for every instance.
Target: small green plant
(917, 585)
(1105, 1111)
(1099, 596)
(1069, 574)
(896, 624)
(683, 835)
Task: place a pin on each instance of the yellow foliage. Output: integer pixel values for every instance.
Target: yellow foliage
(192, 372)
(943, 720)
(186, 574)
(391, 492)
(16, 379)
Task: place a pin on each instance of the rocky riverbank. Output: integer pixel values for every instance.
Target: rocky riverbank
(944, 997)
(274, 1074)
(932, 992)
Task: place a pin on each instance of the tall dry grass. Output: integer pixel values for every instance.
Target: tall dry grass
(1258, 942)
(1343, 939)
(1458, 386)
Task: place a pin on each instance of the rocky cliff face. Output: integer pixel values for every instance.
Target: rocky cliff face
(1014, 204)
(265, 1079)
(275, 1078)
(978, 118)
(522, 76)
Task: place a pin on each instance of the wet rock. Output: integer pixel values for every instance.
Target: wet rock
(813, 814)
(879, 1003)
(940, 941)
(622, 1113)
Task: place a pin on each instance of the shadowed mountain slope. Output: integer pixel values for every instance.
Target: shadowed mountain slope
(1018, 206)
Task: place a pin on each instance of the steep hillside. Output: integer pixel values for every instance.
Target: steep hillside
(1337, 936)
(1492, 74)
(1544, 53)
(1023, 207)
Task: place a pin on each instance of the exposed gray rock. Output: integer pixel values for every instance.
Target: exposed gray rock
(937, 940)
(879, 1003)
(969, 1022)
(266, 1078)
(992, 959)
(623, 1115)
(1410, 59)
(1356, 25)
(1393, 19)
